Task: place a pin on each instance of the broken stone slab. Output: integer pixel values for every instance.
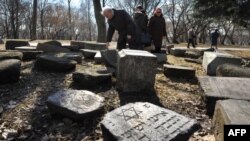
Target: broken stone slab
(179, 52)
(229, 112)
(11, 55)
(89, 54)
(74, 48)
(94, 45)
(98, 58)
(75, 56)
(161, 57)
(75, 104)
(25, 48)
(219, 88)
(211, 60)
(11, 44)
(174, 71)
(80, 44)
(53, 43)
(9, 71)
(145, 121)
(230, 70)
(136, 71)
(193, 53)
(92, 77)
(50, 48)
(109, 57)
(50, 62)
(198, 61)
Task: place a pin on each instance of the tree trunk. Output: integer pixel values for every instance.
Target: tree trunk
(34, 20)
(70, 23)
(100, 20)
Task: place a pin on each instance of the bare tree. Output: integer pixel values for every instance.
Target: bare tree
(34, 20)
(100, 20)
(69, 17)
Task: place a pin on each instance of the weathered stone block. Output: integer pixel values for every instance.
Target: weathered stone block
(180, 52)
(80, 44)
(92, 77)
(74, 48)
(161, 57)
(178, 71)
(51, 48)
(75, 104)
(109, 57)
(230, 70)
(219, 88)
(11, 55)
(193, 53)
(230, 112)
(30, 55)
(94, 46)
(11, 44)
(9, 71)
(211, 60)
(89, 54)
(136, 71)
(53, 43)
(144, 121)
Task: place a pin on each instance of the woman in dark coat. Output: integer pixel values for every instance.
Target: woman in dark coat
(157, 29)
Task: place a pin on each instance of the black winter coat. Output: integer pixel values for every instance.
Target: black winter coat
(141, 21)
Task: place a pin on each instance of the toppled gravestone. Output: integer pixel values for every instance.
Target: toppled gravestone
(219, 88)
(161, 57)
(229, 112)
(211, 60)
(75, 104)
(29, 52)
(76, 56)
(53, 43)
(25, 48)
(144, 121)
(51, 62)
(179, 52)
(92, 77)
(198, 61)
(197, 53)
(11, 44)
(11, 55)
(94, 45)
(79, 44)
(173, 71)
(109, 57)
(74, 48)
(9, 71)
(89, 54)
(50, 48)
(98, 58)
(136, 71)
(229, 70)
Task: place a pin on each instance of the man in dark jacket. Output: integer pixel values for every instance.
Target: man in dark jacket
(121, 21)
(141, 19)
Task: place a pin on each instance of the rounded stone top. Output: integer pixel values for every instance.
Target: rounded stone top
(79, 101)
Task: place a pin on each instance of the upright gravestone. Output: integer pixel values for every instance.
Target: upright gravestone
(109, 57)
(136, 71)
(75, 104)
(144, 121)
(219, 88)
(211, 60)
(230, 112)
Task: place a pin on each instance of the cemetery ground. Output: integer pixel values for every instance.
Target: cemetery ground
(25, 116)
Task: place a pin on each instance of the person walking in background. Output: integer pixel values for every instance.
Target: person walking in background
(121, 21)
(191, 37)
(214, 38)
(157, 29)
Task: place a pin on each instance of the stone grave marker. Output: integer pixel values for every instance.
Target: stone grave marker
(80, 44)
(109, 57)
(11, 55)
(211, 60)
(218, 88)
(144, 121)
(75, 104)
(179, 52)
(230, 112)
(29, 52)
(94, 45)
(9, 71)
(11, 44)
(87, 53)
(178, 71)
(25, 48)
(136, 71)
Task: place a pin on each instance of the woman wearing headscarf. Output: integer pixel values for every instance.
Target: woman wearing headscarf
(157, 28)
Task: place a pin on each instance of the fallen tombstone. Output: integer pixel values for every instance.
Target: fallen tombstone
(174, 71)
(169, 47)
(98, 58)
(9, 71)
(75, 56)
(11, 55)
(211, 60)
(136, 71)
(80, 44)
(179, 52)
(94, 45)
(75, 104)
(92, 77)
(229, 112)
(198, 61)
(219, 88)
(11, 44)
(193, 53)
(30, 55)
(229, 70)
(50, 62)
(145, 121)
(50, 48)
(25, 48)
(53, 43)
(109, 57)
(72, 48)
(161, 57)
(89, 54)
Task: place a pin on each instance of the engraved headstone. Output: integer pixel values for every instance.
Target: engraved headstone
(230, 112)
(136, 71)
(75, 104)
(218, 88)
(92, 77)
(230, 70)
(87, 53)
(178, 71)
(9, 71)
(144, 121)
(211, 60)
